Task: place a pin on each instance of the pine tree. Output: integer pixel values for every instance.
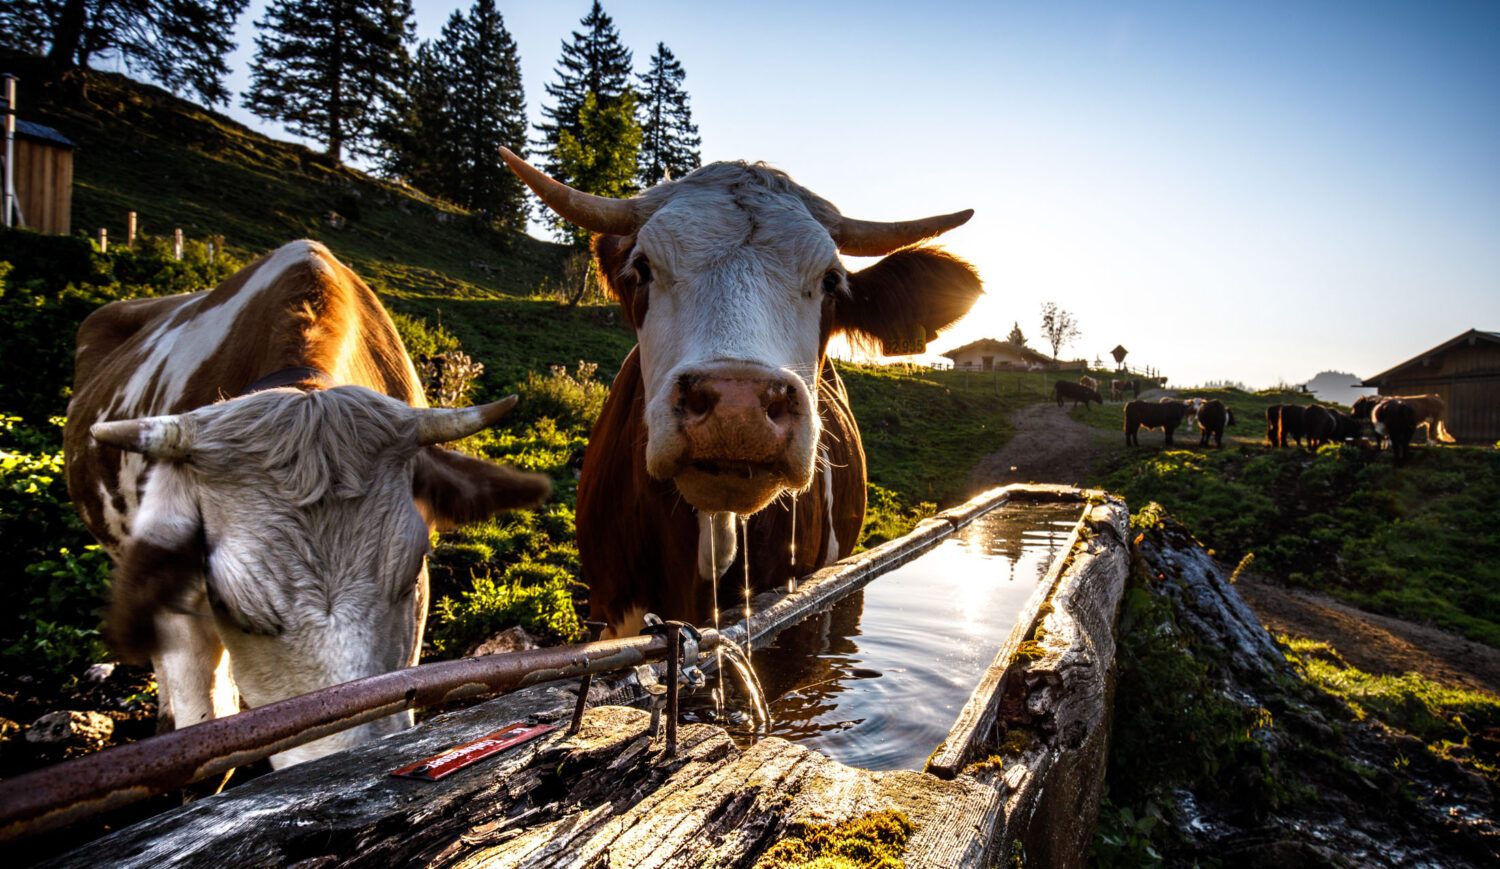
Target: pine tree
(669, 138)
(1016, 337)
(595, 62)
(602, 158)
(178, 43)
(487, 108)
(591, 129)
(415, 129)
(329, 69)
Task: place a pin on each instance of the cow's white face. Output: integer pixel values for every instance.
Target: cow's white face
(298, 515)
(730, 343)
(732, 281)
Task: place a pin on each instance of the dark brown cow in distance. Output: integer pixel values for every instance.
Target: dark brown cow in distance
(1319, 424)
(1213, 416)
(1397, 419)
(1064, 390)
(1273, 423)
(729, 405)
(1289, 424)
(1166, 415)
(274, 542)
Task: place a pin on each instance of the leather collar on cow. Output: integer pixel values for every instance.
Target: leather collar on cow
(301, 376)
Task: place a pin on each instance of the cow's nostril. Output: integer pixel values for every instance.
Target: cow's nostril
(779, 407)
(697, 401)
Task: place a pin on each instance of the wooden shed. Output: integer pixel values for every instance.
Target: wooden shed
(1465, 371)
(987, 354)
(44, 178)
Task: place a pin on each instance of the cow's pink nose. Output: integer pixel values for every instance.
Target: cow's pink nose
(736, 418)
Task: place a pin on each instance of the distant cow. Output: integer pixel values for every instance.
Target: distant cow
(1349, 427)
(1430, 410)
(1396, 419)
(1289, 424)
(1273, 423)
(1088, 382)
(1166, 415)
(1213, 416)
(1319, 425)
(259, 462)
(1117, 389)
(1075, 392)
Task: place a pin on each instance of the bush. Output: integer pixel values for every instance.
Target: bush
(49, 612)
(534, 595)
(49, 284)
(573, 401)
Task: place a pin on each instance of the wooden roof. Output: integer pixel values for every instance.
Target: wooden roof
(1471, 336)
(990, 343)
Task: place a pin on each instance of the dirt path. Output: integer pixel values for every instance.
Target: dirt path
(1374, 643)
(1050, 447)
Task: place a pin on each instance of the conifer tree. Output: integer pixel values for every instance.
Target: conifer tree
(486, 109)
(595, 62)
(178, 43)
(591, 135)
(328, 69)
(415, 128)
(669, 138)
(1016, 337)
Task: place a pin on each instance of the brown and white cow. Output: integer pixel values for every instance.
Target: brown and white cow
(731, 279)
(259, 461)
(1429, 408)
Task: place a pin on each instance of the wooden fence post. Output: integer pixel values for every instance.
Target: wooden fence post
(130, 230)
(177, 243)
(103, 240)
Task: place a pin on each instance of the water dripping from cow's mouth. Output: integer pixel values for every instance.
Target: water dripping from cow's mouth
(738, 657)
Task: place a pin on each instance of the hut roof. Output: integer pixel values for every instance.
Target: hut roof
(1471, 336)
(42, 134)
(1026, 353)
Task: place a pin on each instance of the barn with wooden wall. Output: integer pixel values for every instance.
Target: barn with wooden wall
(1466, 373)
(44, 178)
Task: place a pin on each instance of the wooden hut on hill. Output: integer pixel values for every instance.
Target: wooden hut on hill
(44, 178)
(1465, 371)
(987, 354)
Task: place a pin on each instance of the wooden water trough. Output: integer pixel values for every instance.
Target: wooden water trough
(1021, 767)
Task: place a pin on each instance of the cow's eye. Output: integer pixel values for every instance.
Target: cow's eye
(643, 270)
(832, 281)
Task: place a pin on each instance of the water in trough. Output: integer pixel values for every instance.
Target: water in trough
(877, 681)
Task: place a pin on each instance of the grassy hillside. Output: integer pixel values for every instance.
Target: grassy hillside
(1416, 542)
(177, 164)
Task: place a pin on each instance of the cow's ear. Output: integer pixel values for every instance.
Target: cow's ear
(623, 280)
(163, 561)
(903, 301)
(453, 489)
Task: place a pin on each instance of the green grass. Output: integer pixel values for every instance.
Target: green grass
(924, 430)
(1419, 542)
(1441, 716)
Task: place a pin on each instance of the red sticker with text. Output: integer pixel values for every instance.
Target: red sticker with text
(456, 758)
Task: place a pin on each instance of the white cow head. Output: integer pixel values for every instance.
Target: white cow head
(307, 515)
(732, 280)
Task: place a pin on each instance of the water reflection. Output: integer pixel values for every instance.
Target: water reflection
(876, 681)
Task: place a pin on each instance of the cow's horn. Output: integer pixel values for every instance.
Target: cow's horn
(594, 213)
(871, 238)
(441, 425)
(160, 437)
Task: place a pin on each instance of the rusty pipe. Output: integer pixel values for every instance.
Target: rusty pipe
(70, 791)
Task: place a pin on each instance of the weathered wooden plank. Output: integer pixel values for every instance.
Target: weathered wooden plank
(976, 719)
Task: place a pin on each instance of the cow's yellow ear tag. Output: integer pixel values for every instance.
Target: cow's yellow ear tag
(909, 341)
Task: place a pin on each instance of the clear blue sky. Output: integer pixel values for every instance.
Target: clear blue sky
(1252, 191)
